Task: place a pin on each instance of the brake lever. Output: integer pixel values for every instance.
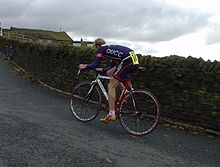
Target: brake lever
(78, 71)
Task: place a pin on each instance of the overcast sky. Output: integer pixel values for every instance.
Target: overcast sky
(151, 27)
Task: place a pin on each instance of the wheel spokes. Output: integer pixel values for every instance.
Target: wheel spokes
(140, 114)
(85, 102)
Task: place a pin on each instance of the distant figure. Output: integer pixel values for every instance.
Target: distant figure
(9, 52)
(6, 51)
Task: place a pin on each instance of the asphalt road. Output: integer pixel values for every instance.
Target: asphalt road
(37, 129)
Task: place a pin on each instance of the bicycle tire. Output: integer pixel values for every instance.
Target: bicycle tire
(144, 117)
(85, 107)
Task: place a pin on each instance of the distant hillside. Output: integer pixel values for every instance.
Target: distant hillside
(37, 36)
(43, 34)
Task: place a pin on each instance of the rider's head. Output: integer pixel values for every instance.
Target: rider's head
(99, 42)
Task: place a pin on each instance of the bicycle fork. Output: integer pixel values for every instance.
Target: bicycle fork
(89, 93)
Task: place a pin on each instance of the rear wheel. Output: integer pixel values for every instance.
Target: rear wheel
(85, 101)
(139, 112)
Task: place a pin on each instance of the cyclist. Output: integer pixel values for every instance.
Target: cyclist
(124, 61)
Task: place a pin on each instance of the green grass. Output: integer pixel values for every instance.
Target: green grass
(43, 34)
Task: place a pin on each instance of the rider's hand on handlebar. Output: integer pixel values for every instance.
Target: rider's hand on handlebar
(82, 66)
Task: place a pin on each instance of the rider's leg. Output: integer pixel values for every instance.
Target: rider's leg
(112, 93)
(112, 97)
(120, 74)
(109, 74)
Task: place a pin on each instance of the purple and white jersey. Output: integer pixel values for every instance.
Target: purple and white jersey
(115, 52)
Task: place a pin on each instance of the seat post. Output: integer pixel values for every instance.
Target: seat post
(127, 84)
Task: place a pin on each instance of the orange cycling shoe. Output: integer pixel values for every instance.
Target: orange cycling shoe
(108, 118)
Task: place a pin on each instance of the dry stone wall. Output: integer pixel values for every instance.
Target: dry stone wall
(188, 89)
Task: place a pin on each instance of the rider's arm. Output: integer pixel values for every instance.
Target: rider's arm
(95, 63)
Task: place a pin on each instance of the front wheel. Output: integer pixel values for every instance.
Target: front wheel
(85, 101)
(139, 112)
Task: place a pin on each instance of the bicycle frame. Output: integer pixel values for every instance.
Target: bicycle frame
(103, 90)
(128, 106)
(99, 82)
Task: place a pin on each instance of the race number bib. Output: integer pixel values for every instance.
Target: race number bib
(134, 57)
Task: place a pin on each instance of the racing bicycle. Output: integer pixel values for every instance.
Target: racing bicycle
(137, 110)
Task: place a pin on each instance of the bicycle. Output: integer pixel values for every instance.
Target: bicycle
(137, 110)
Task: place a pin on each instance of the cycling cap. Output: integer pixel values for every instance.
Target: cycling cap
(99, 42)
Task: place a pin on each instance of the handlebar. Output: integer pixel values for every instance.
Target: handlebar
(126, 83)
(78, 72)
(97, 70)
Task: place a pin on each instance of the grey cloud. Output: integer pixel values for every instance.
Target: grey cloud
(145, 20)
(13, 8)
(141, 22)
(163, 25)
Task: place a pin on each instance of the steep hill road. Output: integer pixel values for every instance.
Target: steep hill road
(37, 129)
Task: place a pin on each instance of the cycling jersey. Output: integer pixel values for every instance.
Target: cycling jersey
(128, 61)
(116, 52)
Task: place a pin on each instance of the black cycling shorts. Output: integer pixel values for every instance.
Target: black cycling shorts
(125, 67)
